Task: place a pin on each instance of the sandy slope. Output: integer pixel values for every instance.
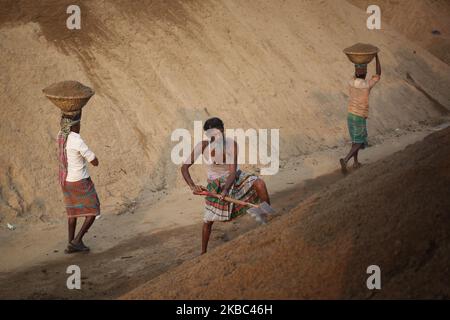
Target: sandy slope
(416, 20)
(392, 213)
(150, 239)
(32, 244)
(159, 66)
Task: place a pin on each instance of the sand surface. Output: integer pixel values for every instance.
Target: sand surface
(157, 66)
(392, 213)
(417, 20)
(147, 240)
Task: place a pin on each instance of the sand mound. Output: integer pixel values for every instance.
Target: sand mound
(361, 48)
(393, 213)
(159, 65)
(68, 89)
(425, 22)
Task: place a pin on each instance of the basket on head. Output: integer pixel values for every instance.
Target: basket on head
(69, 96)
(361, 53)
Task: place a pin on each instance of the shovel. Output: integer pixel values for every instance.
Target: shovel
(258, 211)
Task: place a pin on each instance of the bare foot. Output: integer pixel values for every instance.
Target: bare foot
(357, 165)
(78, 246)
(343, 166)
(85, 248)
(71, 248)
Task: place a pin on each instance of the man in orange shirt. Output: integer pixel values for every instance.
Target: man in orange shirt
(358, 111)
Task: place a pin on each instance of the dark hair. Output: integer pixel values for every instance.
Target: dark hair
(360, 71)
(213, 123)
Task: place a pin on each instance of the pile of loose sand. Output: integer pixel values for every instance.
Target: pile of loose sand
(68, 89)
(393, 213)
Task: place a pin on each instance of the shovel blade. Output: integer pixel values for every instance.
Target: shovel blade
(266, 208)
(255, 212)
(260, 213)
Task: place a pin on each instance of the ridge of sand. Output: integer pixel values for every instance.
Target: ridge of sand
(159, 65)
(417, 20)
(392, 213)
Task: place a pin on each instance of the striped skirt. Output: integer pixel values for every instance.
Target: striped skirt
(217, 210)
(81, 199)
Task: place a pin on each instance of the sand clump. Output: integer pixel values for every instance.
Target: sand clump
(361, 48)
(68, 89)
(393, 213)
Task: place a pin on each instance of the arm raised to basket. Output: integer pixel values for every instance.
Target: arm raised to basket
(378, 65)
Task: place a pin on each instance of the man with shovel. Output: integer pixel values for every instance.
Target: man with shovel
(229, 191)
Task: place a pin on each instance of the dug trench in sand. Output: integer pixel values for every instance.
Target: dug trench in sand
(224, 178)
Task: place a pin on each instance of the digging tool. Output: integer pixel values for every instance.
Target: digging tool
(258, 211)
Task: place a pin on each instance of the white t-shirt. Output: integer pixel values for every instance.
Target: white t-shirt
(78, 154)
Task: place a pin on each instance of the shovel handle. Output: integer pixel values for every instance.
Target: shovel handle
(243, 203)
(228, 199)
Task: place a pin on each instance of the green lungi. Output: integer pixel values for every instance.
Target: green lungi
(357, 128)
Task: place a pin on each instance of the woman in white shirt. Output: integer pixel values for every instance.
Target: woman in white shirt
(80, 196)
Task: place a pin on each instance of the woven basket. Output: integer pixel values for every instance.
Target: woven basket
(69, 104)
(361, 53)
